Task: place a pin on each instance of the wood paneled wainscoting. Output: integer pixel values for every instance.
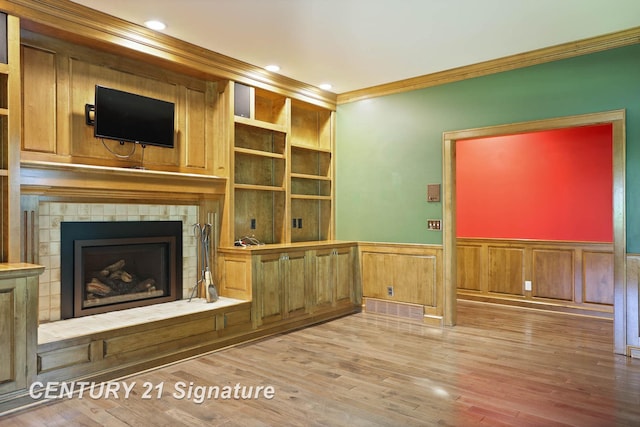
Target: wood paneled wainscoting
(573, 277)
(632, 304)
(404, 280)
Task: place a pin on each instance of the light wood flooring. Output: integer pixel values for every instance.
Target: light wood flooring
(500, 366)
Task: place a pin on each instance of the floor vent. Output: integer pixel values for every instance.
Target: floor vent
(392, 308)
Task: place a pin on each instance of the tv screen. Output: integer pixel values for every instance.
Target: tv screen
(125, 116)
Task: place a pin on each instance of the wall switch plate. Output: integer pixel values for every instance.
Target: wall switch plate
(390, 291)
(434, 224)
(527, 285)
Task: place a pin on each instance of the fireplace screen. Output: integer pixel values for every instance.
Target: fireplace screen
(116, 271)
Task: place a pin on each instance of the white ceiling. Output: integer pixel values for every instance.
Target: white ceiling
(355, 44)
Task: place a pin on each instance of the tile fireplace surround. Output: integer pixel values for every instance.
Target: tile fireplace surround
(51, 214)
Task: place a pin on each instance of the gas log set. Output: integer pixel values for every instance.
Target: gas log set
(116, 283)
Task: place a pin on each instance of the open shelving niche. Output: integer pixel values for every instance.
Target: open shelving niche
(4, 157)
(10, 128)
(283, 168)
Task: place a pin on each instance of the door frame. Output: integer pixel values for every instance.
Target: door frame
(617, 119)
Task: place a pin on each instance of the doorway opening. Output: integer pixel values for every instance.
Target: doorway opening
(617, 120)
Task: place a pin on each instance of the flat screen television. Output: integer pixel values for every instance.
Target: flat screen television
(125, 116)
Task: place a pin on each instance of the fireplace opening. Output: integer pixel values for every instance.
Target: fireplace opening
(107, 266)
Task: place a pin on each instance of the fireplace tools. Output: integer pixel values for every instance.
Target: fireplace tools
(203, 236)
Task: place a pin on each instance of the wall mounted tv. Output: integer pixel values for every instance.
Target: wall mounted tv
(125, 116)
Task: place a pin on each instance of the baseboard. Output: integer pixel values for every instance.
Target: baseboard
(521, 303)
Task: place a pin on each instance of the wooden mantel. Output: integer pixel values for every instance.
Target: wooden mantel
(79, 181)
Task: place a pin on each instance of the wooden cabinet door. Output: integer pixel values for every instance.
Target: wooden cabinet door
(323, 278)
(334, 277)
(343, 275)
(281, 286)
(296, 283)
(268, 287)
(18, 329)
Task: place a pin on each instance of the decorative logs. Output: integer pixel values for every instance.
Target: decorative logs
(114, 280)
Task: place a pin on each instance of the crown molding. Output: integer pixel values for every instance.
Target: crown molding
(512, 62)
(79, 24)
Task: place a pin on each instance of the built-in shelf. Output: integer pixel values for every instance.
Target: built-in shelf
(307, 176)
(306, 147)
(259, 153)
(282, 161)
(258, 187)
(309, 197)
(260, 124)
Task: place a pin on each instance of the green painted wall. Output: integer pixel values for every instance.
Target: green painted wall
(389, 148)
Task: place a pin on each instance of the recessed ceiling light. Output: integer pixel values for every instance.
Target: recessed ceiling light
(155, 25)
(325, 86)
(272, 67)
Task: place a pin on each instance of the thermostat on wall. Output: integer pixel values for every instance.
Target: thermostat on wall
(433, 192)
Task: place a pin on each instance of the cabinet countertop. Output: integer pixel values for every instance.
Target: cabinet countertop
(283, 247)
(19, 269)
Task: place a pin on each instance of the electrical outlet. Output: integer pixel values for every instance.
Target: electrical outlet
(390, 291)
(253, 223)
(527, 285)
(294, 223)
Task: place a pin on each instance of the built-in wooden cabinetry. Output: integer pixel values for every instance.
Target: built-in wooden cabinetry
(282, 165)
(18, 281)
(292, 282)
(18, 325)
(10, 128)
(58, 81)
(311, 172)
(281, 285)
(280, 202)
(256, 149)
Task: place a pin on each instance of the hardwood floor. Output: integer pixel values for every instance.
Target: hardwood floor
(499, 366)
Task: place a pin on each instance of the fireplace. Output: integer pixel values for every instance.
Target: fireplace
(107, 266)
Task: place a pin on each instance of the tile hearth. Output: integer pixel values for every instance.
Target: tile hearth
(71, 328)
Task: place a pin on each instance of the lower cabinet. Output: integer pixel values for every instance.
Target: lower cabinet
(334, 276)
(289, 283)
(18, 326)
(281, 285)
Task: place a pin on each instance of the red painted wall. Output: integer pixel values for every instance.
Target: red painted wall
(550, 185)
